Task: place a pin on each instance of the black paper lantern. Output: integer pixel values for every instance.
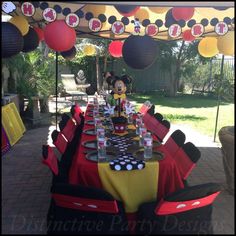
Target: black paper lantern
(139, 52)
(70, 54)
(126, 10)
(169, 19)
(31, 41)
(12, 40)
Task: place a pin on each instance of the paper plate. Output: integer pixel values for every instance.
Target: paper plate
(89, 132)
(93, 156)
(89, 122)
(156, 155)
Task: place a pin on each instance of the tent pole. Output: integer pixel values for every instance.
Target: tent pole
(218, 101)
(56, 84)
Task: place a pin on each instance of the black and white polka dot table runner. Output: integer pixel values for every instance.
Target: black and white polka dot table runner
(126, 161)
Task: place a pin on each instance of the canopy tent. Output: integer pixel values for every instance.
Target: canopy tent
(160, 14)
(206, 13)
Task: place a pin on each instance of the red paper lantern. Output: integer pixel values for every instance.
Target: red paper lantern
(127, 11)
(115, 48)
(187, 36)
(182, 13)
(59, 36)
(40, 33)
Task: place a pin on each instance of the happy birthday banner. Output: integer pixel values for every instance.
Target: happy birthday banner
(175, 20)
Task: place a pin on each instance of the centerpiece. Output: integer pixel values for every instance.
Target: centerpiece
(117, 98)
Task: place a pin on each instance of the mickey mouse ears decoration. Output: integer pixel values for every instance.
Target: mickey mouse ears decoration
(139, 52)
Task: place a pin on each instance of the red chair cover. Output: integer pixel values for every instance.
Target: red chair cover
(69, 130)
(50, 159)
(184, 163)
(85, 204)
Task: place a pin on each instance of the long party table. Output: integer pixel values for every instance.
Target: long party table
(132, 187)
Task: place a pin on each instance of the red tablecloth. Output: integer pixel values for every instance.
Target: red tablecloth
(87, 173)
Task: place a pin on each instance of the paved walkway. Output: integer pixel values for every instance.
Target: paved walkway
(26, 184)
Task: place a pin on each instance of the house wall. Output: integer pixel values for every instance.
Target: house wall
(150, 79)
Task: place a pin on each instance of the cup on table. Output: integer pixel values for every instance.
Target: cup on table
(97, 121)
(100, 130)
(95, 113)
(142, 133)
(130, 118)
(138, 122)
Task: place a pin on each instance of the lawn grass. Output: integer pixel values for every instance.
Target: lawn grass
(199, 112)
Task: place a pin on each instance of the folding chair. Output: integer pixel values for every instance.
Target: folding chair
(77, 209)
(187, 211)
(175, 142)
(186, 158)
(70, 86)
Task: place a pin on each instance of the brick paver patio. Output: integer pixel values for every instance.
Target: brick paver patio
(26, 186)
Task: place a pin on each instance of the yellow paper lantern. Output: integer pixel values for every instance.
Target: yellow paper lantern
(141, 14)
(207, 47)
(89, 50)
(21, 23)
(225, 44)
(159, 10)
(95, 9)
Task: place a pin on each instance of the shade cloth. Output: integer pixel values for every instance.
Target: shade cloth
(205, 11)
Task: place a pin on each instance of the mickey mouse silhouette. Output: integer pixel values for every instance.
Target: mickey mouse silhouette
(137, 25)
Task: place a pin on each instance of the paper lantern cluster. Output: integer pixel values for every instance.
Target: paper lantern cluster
(40, 33)
(187, 36)
(159, 10)
(21, 23)
(59, 36)
(141, 14)
(225, 44)
(207, 47)
(139, 52)
(70, 54)
(210, 46)
(89, 50)
(126, 11)
(115, 48)
(31, 41)
(12, 40)
(18, 36)
(182, 13)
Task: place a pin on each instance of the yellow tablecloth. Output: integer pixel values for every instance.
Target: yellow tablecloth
(131, 187)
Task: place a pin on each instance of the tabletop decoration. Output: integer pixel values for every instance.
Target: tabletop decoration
(109, 110)
(129, 111)
(118, 97)
(126, 162)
